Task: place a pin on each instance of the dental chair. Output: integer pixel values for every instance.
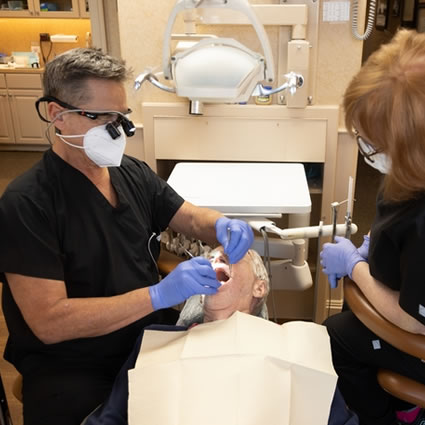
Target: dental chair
(167, 262)
(414, 344)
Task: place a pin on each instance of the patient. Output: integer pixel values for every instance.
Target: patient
(244, 288)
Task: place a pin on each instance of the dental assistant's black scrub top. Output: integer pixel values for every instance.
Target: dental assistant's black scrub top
(55, 224)
(396, 252)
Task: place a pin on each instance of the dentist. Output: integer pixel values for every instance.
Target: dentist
(79, 240)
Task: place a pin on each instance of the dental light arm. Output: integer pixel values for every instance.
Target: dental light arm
(215, 69)
(238, 5)
(294, 81)
(153, 79)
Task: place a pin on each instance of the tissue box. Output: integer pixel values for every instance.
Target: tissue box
(25, 59)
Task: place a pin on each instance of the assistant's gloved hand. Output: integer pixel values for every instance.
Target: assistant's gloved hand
(241, 237)
(195, 276)
(363, 249)
(338, 259)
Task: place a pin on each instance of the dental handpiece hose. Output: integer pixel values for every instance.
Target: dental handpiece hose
(310, 231)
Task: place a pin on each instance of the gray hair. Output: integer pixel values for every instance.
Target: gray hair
(65, 77)
(260, 273)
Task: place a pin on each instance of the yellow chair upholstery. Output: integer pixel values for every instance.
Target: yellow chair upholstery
(167, 262)
(414, 344)
(17, 388)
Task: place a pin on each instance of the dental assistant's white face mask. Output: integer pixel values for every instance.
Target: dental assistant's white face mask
(99, 146)
(381, 162)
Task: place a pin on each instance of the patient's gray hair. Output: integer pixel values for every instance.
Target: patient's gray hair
(260, 272)
(65, 76)
(193, 310)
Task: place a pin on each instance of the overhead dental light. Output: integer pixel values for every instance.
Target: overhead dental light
(215, 69)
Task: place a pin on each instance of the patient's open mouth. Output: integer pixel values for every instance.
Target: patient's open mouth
(220, 264)
(222, 275)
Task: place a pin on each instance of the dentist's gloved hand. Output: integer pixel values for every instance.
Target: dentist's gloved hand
(338, 259)
(195, 276)
(363, 249)
(241, 237)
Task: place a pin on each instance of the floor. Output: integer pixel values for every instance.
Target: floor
(14, 163)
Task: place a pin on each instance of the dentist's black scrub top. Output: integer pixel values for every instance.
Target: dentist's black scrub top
(55, 224)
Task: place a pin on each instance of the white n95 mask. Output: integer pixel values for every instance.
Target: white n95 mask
(99, 146)
(381, 162)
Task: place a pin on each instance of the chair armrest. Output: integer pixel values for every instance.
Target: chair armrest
(413, 344)
(402, 387)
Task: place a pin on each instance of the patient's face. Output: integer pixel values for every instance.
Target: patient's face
(237, 289)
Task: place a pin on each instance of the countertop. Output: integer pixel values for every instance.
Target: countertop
(8, 69)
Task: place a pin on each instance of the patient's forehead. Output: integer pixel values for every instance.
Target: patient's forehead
(216, 252)
(219, 252)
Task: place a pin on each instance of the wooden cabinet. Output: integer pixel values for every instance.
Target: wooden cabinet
(6, 126)
(19, 121)
(37, 9)
(84, 8)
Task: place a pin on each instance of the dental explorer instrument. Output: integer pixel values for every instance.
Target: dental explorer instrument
(334, 207)
(228, 242)
(348, 215)
(186, 250)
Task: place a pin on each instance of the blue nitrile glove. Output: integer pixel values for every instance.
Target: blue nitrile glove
(195, 276)
(363, 249)
(241, 237)
(338, 259)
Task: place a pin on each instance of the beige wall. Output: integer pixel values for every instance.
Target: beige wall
(142, 24)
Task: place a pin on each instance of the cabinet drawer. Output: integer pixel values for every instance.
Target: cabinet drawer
(23, 81)
(2, 81)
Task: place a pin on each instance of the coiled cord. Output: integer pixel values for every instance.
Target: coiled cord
(370, 20)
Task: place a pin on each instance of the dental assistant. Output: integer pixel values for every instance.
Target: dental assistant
(385, 109)
(79, 243)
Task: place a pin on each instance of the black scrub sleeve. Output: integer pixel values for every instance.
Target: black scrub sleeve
(165, 200)
(28, 243)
